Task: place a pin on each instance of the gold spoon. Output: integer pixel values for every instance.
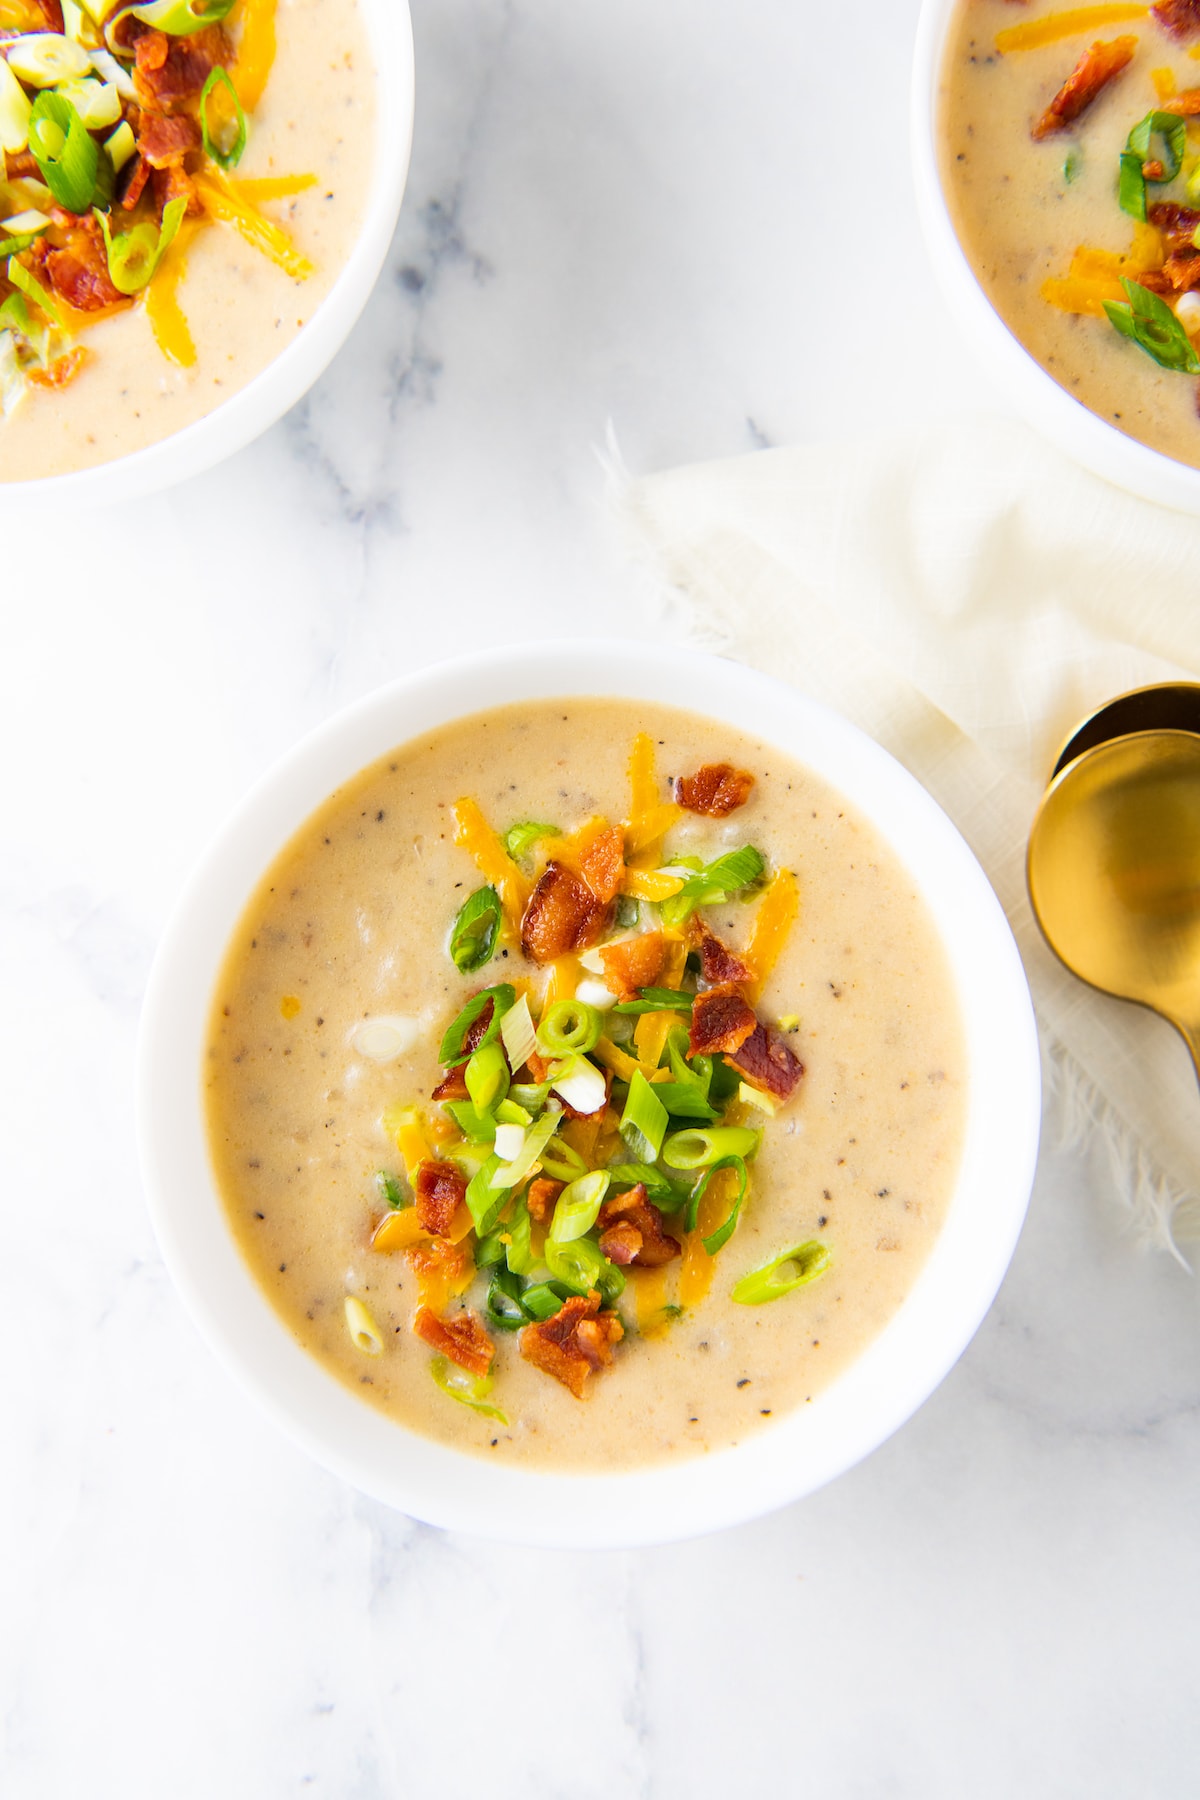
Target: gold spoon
(1114, 869)
(1167, 706)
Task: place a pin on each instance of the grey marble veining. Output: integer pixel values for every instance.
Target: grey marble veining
(646, 214)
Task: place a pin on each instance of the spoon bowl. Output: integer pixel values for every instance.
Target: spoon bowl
(1114, 871)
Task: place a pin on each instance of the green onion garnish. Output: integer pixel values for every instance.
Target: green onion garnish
(230, 157)
(652, 999)
(520, 838)
(509, 1112)
(577, 1206)
(519, 1250)
(64, 150)
(644, 1120)
(33, 290)
(577, 1264)
(464, 1387)
(475, 930)
(1071, 166)
(795, 1268)
(698, 1149)
(724, 1232)
(1171, 131)
(534, 1149)
(530, 1095)
(685, 1100)
(453, 1045)
(134, 256)
(517, 1034)
(477, 1127)
(713, 883)
(179, 18)
(14, 315)
(391, 1190)
(628, 912)
(489, 1250)
(504, 1306)
(665, 1195)
(486, 1076)
(1151, 324)
(13, 246)
(484, 1202)
(569, 1028)
(562, 1162)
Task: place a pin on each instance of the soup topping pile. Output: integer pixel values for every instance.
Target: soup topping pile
(119, 126)
(606, 1125)
(1150, 293)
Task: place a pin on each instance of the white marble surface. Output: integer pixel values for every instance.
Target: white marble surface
(694, 220)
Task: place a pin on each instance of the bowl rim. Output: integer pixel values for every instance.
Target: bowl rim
(1070, 425)
(664, 1502)
(262, 401)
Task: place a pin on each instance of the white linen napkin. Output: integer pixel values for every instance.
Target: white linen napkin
(967, 596)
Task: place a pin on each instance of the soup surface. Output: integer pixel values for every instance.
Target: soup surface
(315, 117)
(351, 923)
(1031, 212)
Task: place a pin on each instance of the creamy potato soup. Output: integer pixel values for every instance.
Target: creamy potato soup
(1070, 158)
(255, 252)
(585, 1084)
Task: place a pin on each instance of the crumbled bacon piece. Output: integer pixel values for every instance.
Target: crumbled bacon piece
(540, 1197)
(574, 1343)
(78, 270)
(1186, 104)
(716, 790)
(452, 1086)
(59, 373)
(52, 12)
(767, 1063)
(1180, 17)
(440, 1188)
(21, 166)
(635, 963)
(170, 70)
(461, 1338)
(175, 184)
(1156, 281)
(1183, 272)
(1093, 72)
(1176, 222)
(165, 142)
(602, 863)
(631, 1231)
(721, 1020)
(135, 182)
(563, 915)
(718, 963)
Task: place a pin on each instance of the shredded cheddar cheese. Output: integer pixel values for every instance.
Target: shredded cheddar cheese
(1054, 26)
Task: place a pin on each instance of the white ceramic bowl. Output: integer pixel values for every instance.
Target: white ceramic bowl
(1049, 408)
(237, 421)
(800, 1452)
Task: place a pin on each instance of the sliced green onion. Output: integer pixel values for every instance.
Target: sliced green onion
(685, 1100)
(114, 72)
(725, 1081)
(1151, 324)
(391, 1190)
(134, 256)
(179, 18)
(517, 1033)
(652, 999)
(562, 1162)
(13, 246)
(464, 1387)
(475, 930)
(697, 1149)
(28, 224)
(489, 1250)
(580, 1083)
(1171, 130)
(230, 157)
(628, 912)
(486, 1076)
(66, 154)
(453, 1046)
(33, 290)
(752, 1096)
(580, 1264)
(504, 1306)
(795, 1268)
(509, 1112)
(484, 1201)
(714, 882)
(545, 1298)
(44, 58)
(15, 108)
(14, 315)
(724, 1232)
(507, 1175)
(569, 1027)
(477, 1127)
(530, 1095)
(577, 1206)
(520, 838)
(97, 102)
(644, 1120)
(665, 1195)
(120, 146)
(519, 1249)
(1071, 166)
(509, 1140)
